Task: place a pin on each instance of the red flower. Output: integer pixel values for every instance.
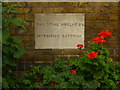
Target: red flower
(73, 71)
(105, 33)
(80, 45)
(99, 40)
(92, 55)
(53, 83)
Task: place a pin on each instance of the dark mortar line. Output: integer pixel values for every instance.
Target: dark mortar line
(88, 20)
(65, 6)
(87, 13)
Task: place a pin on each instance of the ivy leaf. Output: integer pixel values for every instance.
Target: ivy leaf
(17, 50)
(22, 27)
(16, 40)
(17, 21)
(4, 83)
(18, 53)
(15, 11)
(5, 36)
(9, 61)
(6, 50)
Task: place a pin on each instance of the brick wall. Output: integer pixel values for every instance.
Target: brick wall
(119, 32)
(98, 16)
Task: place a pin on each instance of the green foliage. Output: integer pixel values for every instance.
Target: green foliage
(11, 45)
(31, 79)
(98, 73)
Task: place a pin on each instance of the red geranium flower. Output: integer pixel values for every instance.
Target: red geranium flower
(80, 45)
(92, 55)
(53, 83)
(105, 34)
(73, 71)
(99, 40)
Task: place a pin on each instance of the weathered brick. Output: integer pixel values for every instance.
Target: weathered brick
(43, 52)
(112, 10)
(51, 4)
(95, 4)
(40, 59)
(30, 45)
(83, 3)
(26, 38)
(54, 4)
(21, 3)
(89, 38)
(114, 3)
(52, 10)
(97, 30)
(62, 4)
(66, 57)
(29, 17)
(24, 10)
(34, 4)
(74, 56)
(78, 10)
(115, 58)
(26, 17)
(102, 17)
(37, 10)
(69, 4)
(21, 16)
(113, 17)
(114, 38)
(71, 51)
(12, 31)
(21, 32)
(89, 24)
(105, 10)
(69, 10)
(112, 45)
(106, 24)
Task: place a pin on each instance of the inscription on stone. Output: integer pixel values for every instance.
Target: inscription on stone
(59, 31)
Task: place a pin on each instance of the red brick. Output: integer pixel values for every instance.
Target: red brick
(24, 10)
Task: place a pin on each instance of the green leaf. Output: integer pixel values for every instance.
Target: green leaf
(18, 53)
(92, 84)
(15, 11)
(17, 21)
(26, 82)
(8, 61)
(4, 83)
(109, 59)
(75, 62)
(5, 36)
(6, 50)
(98, 75)
(22, 27)
(16, 40)
(59, 63)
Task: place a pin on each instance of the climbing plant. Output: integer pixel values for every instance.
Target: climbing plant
(11, 48)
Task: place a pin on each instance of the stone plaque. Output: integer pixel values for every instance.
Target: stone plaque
(59, 31)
